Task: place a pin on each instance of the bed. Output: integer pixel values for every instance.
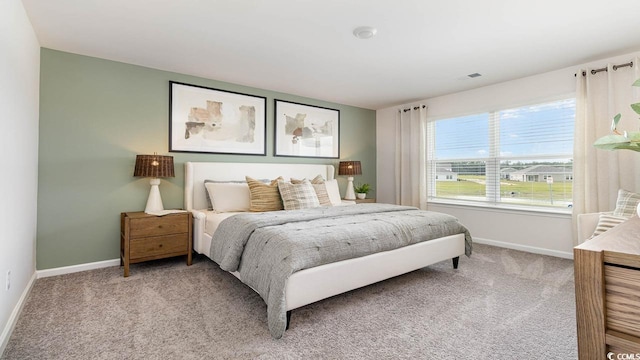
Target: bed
(315, 283)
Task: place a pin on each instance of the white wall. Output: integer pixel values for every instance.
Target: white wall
(528, 231)
(19, 98)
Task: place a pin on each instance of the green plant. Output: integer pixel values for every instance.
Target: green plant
(362, 189)
(629, 140)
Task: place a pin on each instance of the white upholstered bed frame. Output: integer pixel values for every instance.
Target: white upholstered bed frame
(314, 284)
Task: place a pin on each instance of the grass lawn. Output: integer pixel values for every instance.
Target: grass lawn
(536, 192)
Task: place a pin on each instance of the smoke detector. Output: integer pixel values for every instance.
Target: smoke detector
(364, 32)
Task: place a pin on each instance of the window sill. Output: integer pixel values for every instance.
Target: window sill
(559, 212)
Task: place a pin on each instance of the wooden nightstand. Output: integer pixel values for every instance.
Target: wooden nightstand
(362, 201)
(146, 237)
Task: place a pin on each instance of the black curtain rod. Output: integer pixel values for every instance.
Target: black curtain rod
(414, 108)
(615, 67)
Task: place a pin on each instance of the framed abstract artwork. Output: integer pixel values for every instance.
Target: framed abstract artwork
(306, 130)
(206, 120)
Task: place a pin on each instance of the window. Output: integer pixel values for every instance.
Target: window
(521, 156)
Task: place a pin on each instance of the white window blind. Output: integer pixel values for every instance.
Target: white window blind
(522, 156)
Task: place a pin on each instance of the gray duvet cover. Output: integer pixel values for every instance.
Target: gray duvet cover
(266, 248)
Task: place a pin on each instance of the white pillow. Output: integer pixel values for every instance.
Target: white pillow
(333, 191)
(227, 197)
(216, 181)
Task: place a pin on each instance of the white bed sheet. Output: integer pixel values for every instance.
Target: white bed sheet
(212, 222)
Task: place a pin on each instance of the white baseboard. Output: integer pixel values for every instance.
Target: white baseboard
(13, 319)
(77, 268)
(526, 248)
(8, 329)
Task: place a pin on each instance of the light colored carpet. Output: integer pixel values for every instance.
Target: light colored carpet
(499, 304)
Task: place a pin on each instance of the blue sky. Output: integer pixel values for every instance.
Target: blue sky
(545, 129)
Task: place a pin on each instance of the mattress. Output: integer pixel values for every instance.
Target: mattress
(211, 224)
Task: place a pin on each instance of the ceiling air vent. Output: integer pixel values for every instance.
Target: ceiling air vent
(474, 75)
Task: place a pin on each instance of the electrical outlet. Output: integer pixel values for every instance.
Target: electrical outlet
(8, 280)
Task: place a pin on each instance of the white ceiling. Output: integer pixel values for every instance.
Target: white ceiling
(424, 48)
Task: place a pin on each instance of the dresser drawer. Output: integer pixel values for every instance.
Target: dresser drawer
(622, 294)
(163, 225)
(159, 246)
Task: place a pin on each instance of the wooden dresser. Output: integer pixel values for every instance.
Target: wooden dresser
(607, 280)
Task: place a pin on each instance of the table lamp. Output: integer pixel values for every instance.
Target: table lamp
(349, 168)
(154, 166)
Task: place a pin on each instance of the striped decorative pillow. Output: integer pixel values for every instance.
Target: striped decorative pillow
(626, 203)
(264, 197)
(320, 188)
(316, 180)
(607, 222)
(298, 196)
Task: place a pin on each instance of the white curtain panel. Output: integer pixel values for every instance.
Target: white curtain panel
(598, 174)
(411, 184)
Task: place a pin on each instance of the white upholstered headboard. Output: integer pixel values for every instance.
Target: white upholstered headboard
(195, 173)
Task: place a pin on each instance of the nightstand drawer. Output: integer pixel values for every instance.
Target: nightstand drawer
(365, 201)
(163, 225)
(159, 246)
(622, 299)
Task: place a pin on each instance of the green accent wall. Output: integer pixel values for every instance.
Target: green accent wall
(96, 115)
